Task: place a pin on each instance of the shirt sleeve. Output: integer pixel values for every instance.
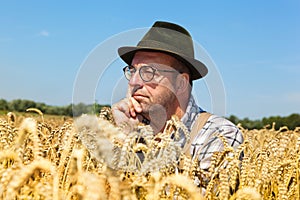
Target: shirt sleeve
(207, 141)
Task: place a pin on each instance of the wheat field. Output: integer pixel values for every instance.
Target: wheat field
(90, 158)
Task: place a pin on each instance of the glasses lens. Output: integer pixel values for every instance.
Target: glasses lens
(128, 72)
(147, 73)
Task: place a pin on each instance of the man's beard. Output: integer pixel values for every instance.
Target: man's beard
(165, 101)
(158, 113)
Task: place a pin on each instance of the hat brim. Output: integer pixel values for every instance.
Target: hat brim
(198, 69)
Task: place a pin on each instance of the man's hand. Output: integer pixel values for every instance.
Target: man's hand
(127, 111)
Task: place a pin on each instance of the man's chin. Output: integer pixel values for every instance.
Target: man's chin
(150, 108)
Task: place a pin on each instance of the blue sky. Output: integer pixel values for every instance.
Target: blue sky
(254, 45)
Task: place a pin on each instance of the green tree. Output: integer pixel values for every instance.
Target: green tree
(293, 121)
(234, 119)
(80, 108)
(3, 104)
(15, 105)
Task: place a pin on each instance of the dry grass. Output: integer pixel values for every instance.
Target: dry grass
(92, 159)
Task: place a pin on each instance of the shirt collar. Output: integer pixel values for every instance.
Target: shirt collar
(191, 112)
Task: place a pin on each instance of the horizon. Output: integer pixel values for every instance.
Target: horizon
(252, 49)
(227, 116)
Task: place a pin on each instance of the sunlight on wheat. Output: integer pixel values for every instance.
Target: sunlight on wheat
(91, 158)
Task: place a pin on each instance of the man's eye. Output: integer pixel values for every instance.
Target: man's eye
(131, 70)
(148, 72)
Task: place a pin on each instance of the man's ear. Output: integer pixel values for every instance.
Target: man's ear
(182, 83)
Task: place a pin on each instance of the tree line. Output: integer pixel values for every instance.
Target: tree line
(19, 105)
(292, 121)
(72, 110)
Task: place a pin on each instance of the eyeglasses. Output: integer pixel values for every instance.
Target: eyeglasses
(146, 72)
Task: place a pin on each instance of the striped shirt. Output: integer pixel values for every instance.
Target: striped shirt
(206, 142)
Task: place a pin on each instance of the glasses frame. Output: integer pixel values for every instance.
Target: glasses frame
(129, 75)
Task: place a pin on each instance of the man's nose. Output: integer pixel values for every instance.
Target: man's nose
(136, 79)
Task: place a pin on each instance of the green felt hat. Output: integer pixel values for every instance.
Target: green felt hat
(168, 38)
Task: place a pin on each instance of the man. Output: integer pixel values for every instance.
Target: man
(161, 70)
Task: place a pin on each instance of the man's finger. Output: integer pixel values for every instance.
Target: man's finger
(131, 108)
(137, 106)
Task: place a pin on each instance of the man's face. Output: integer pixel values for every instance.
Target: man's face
(159, 92)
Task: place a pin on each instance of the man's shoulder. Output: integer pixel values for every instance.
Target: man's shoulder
(219, 124)
(218, 120)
